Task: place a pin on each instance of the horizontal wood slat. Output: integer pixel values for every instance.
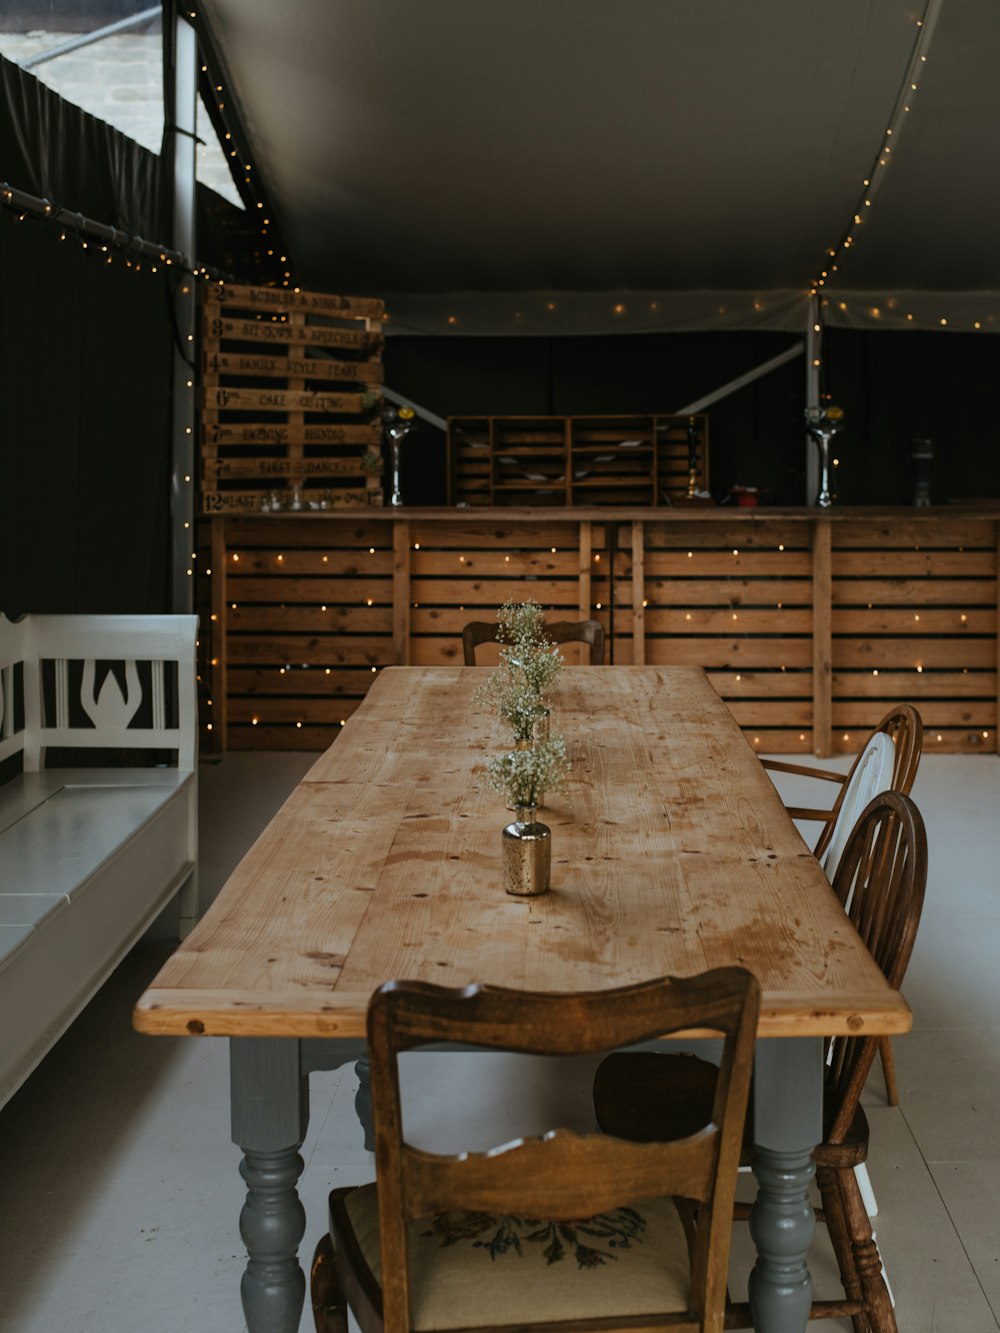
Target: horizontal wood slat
(312, 603)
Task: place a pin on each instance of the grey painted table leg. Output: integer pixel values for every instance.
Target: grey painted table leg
(788, 1123)
(270, 1113)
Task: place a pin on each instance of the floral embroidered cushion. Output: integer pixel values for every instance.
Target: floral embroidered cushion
(472, 1269)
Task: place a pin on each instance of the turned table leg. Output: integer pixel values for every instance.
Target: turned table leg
(788, 1123)
(270, 1113)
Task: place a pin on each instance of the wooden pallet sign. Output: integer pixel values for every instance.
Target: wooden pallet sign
(291, 400)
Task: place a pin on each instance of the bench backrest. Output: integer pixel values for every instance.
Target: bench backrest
(114, 682)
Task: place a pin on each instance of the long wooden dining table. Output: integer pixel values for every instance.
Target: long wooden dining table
(671, 853)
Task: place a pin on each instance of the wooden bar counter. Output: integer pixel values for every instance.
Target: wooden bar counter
(809, 623)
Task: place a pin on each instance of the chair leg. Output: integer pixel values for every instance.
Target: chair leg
(889, 1070)
(329, 1306)
(828, 1181)
(866, 1257)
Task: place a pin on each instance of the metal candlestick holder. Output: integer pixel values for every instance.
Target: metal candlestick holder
(823, 423)
(397, 425)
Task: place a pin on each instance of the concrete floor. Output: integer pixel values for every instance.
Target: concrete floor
(119, 1192)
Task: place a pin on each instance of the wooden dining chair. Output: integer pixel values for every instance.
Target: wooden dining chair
(559, 631)
(880, 881)
(904, 727)
(562, 1232)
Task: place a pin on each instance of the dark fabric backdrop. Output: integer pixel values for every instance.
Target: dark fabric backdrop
(893, 387)
(86, 363)
(85, 398)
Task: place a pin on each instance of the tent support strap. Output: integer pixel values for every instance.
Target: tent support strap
(741, 381)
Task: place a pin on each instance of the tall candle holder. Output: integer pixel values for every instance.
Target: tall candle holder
(397, 425)
(823, 423)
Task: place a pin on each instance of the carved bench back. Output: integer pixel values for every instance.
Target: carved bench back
(109, 682)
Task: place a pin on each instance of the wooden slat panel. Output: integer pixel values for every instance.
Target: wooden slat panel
(733, 653)
(726, 592)
(221, 502)
(913, 592)
(756, 535)
(326, 619)
(218, 433)
(279, 587)
(288, 737)
(746, 620)
(269, 366)
(762, 684)
(925, 533)
(227, 399)
(973, 715)
(896, 620)
(893, 685)
(252, 682)
(790, 564)
(903, 653)
(314, 649)
(281, 469)
(907, 563)
(311, 712)
(291, 531)
(491, 593)
(796, 713)
(281, 298)
(513, 536)
(274, 333)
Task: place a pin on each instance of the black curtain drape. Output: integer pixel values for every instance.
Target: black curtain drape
(86, 362)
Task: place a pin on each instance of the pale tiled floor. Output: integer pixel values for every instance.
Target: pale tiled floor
(119, 1191)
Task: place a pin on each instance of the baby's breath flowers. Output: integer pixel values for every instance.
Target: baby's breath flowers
(524, 776)
(529, 665)
(522, 623)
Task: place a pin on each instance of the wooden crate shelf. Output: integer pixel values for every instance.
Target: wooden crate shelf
(809, 625)
(290, 399)
(626, 460)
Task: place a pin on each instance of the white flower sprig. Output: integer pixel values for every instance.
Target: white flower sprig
(524, 776)
(522, 623)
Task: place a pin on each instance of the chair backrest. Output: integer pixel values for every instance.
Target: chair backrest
(904, 727)
(562, 1176)
(880, 882)
(559, 631)
(871, 774)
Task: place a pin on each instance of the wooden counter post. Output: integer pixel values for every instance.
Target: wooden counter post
(586, 541)
(216, 633)
(401, 593)
(638, 592)
(822, 589)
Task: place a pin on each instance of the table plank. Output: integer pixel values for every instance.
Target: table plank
(672, 852)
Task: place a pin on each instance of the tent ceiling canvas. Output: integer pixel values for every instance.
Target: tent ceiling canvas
(575, 164)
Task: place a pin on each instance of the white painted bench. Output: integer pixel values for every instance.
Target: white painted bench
(89, 856)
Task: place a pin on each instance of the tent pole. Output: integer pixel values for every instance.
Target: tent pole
(814, 336)
(182, 149)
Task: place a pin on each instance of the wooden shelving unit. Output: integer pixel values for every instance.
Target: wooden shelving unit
(579, 460)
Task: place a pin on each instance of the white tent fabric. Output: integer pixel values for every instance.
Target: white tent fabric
(573, 166)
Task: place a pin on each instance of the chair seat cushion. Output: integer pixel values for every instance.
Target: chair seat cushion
(470, 1270)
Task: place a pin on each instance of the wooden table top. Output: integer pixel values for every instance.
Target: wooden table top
(671, 853)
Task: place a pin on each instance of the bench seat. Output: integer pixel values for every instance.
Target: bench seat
(89, 858)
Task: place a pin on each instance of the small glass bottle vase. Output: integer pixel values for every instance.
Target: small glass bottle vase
(527, 854)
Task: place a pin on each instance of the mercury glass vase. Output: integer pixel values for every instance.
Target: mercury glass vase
(527, 854)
